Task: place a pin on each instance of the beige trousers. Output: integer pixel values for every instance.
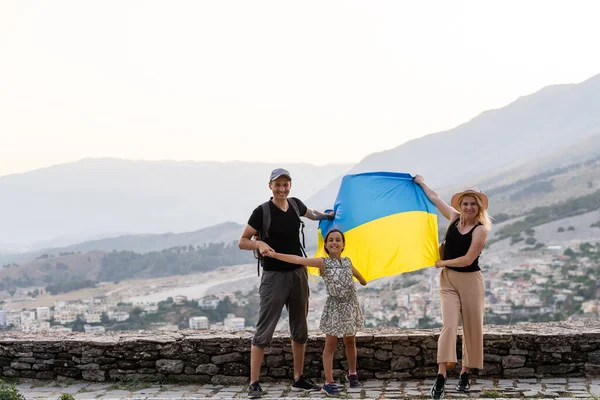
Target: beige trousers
(462, 294)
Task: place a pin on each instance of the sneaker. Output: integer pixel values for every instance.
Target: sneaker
(463, 383)
(437, 390)
(331, 389)
(353, 380)
(255, 391)
(302, 385)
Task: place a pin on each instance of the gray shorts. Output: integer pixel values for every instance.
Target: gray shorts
(278, 289)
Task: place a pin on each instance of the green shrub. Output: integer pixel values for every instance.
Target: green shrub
(66, 396)
(8, 391)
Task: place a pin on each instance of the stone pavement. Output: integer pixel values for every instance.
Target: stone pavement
(554, 388)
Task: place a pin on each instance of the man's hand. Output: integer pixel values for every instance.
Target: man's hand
(265, 250)
(439, 264)
(330, 215)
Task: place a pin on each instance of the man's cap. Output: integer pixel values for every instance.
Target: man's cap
(277, 172)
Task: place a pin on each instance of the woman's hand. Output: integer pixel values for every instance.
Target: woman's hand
(321, 270)
(419, 179)
(440, 264)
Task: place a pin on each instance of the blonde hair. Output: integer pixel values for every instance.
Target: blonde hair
(482, 215)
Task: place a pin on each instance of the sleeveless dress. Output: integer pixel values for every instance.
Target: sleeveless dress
(342, 315)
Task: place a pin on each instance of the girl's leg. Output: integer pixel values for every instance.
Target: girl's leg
(350, 343)
(330, 346)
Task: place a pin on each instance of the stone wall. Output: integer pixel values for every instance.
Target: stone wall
(531, 350)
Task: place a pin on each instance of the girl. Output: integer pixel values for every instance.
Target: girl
(342, 315)
(461, 284)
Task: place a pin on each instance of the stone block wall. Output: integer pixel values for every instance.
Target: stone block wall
(531, 350)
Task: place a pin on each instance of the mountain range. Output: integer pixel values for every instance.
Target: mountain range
(541, 149)
(108, 197)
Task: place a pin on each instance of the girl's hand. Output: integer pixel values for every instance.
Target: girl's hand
(321, 270)
(439, 264)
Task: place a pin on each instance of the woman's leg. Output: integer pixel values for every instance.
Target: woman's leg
(472, 294)
(451, 305)
(350, 343)
(330, 346)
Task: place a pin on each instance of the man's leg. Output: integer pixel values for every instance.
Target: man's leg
(273, 294)
(297, 305)
(257, 355)
(298, 352)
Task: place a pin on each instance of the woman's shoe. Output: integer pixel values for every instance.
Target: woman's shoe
(463, 383)
(437, 390)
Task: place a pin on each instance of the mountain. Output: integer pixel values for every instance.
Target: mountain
(532, 127)
(70, 271)
(95, 197)
(143, 243)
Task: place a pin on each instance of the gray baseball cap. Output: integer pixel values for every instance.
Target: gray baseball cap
(277, 172)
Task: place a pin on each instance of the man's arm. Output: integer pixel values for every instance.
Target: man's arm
(246, 242)
(317, 215)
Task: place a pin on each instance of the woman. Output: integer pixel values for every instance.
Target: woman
(461, 283)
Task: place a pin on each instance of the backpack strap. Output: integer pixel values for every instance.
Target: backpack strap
(266, 222)
(263, 234)
(294, 206)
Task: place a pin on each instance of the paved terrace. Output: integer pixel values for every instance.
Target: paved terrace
(551, 388)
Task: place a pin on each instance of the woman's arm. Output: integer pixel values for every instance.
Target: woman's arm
(477, 243)
(311, 262)
(446, 210)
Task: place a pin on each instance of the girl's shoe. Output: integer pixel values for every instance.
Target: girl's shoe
(331, 389)
(353, 380)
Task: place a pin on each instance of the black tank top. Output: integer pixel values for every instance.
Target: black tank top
(457, 245)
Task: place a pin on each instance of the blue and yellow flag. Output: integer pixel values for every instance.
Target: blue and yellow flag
(389, 223)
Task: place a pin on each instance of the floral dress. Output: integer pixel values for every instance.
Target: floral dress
(342, 315)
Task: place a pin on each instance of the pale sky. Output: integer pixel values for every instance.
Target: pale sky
(273, 81)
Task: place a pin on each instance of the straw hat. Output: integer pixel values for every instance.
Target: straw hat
(471, 191)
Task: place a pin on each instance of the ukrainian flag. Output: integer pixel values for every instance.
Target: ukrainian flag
(389, 223)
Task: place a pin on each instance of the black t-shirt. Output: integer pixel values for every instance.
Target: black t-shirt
(457, 245)
(284, 233)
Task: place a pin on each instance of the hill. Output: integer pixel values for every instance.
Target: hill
(530, 128)
(74, 271)
(144, 243)
(102, 196)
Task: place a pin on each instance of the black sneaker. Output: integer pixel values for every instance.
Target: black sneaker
(255, 391)
(463, 383)
(437, 390)
(302, 385)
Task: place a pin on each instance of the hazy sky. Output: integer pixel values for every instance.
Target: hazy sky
(277, 81)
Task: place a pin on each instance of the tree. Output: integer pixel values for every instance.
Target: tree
(78, 324)
(12, 291)
(569, 252)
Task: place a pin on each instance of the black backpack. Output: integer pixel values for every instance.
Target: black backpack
(263, 234)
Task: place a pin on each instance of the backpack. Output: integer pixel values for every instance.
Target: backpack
(263, 234)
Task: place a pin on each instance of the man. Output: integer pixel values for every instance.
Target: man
(282, 284)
